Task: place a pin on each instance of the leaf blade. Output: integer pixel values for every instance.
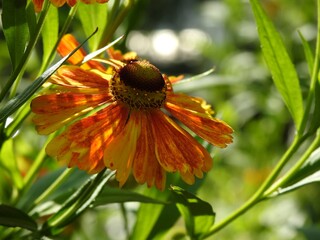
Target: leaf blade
(13, 217)
(93, 16)
(15, 27)
(198, 214)
(279, 63)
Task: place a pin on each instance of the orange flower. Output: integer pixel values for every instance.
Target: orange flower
(59, 3)
(119, 119)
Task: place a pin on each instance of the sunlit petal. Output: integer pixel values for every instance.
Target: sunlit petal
(58, 3)
(68, 43)
(119, 154)
(71, 3)
(54, 103)
(37, 5)
(211, 129)
(176, 150)
(76, 77)
(82, 144)
(146, 167)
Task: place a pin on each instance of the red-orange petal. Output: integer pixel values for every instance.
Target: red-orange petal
(177, 150)
(58, 3)
(68, 43)
(146, 167)
(119, 153)
(37, 5)
(48, 123)
(71, 3)
(211, 129)
(76, 77)
(54, 103)
(82, 144)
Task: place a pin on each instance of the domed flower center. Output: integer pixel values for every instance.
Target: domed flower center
(140, 85)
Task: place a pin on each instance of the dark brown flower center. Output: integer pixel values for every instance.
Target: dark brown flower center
(142, 75)
(139, 85)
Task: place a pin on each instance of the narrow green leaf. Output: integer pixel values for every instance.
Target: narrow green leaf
(307, 174)
(50, 33)
(279, 63)
(13, 217)
(19, 100)
(115, 195)
(93, 16)
(15, 28)
(198, 214)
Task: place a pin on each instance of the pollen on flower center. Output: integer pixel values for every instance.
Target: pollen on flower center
(140, 85)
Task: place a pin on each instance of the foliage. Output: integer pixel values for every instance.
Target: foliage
(269, 95)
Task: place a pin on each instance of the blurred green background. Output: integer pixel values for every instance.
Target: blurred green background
(189, 37)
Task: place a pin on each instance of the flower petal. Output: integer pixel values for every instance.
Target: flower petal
(54, 103)
(76, 77)
(195, 117)
(68, 43)
(37, 5)
(55, 110)
(146, 167)
(58, 3)
(48, 123)
(82, 144)
(71, 3)
(119, 153)
(177, 150)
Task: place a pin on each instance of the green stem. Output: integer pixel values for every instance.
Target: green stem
(258, 195)
(54, 185)
(26, 55)
(314, 79)
(109, 31)
(295, 168)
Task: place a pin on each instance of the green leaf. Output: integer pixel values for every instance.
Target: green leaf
(116, 195)
(31, 18)
(156, 225)
(146, 223)
(81, 200)
(59, 196)
(279, 63)
(93, 16)
(50, 33)
(15, 28)
(19, 100)
(307, 174)
(198, 214)
(13, 217)
(9, 163)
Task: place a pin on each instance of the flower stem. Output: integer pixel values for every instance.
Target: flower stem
(314, 78)
(258, 196)
(296, 167)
